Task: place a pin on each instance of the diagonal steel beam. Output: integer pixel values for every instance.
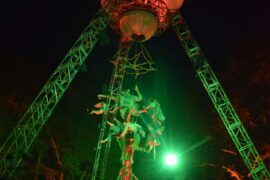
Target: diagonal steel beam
(221, 102)
(28, 127)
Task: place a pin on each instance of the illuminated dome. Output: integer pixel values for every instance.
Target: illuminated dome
(138, 25)
(137, 20)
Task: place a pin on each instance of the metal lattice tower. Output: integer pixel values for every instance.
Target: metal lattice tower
(27, 129)
(115, 89)
(221, 102)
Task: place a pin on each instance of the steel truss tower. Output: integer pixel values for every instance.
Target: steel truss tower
(220, 100)
(115, 89)
(27, 129)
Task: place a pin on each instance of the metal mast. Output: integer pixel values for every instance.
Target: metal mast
(221, 102)
(102, 151)
(27, 129)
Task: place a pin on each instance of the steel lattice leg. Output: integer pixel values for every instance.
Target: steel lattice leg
(27, 129)
(221, 102)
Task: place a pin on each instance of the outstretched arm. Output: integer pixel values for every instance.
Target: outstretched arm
(100, 96)
(139, 98)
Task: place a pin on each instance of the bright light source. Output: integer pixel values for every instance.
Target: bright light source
(171, 159)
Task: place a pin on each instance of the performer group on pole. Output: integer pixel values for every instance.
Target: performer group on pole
(137, 126)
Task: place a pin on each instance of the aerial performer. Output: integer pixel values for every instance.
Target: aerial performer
(129, 103)
(130, 113)
(101, 108)
(114, 130)
(154, 109)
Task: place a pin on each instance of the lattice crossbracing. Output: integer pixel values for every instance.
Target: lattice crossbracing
(140, 62)
(221, 102)
(102, 150)
(23, 135)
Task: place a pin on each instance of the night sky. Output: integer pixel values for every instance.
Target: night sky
(234, 36)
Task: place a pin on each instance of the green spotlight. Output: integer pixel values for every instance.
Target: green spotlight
(171, 159)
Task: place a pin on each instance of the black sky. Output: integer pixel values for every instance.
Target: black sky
(36, 35)
(45, 25)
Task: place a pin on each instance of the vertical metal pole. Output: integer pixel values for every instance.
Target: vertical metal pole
(102, 150)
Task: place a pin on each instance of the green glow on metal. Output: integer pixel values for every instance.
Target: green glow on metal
(114, 90)
(221, 102)
(27, 129)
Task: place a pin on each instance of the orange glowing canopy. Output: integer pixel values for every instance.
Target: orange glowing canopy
(138, 25)
(173, 4)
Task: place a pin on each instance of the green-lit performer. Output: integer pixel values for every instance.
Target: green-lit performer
(129, 104)
(155, 110)
(114, 130)
(127, 128)
(103, 106)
